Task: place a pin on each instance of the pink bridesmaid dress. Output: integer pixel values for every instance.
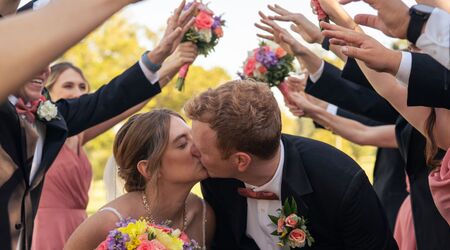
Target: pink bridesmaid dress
(64, 199)
(439, 181)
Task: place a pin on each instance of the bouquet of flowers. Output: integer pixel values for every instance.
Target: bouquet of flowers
(133, 234)
(205, 34)
(269, 63)
(291, 228)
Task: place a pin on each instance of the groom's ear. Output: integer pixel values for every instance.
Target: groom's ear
(242, 160)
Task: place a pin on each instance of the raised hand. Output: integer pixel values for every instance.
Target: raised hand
(177, 25)
(364, 48)
(186, 52)
(309, 32)
(392, 18)
(279, 36)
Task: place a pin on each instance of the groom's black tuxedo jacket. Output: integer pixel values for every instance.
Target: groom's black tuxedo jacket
(332, 192)
(18, 198)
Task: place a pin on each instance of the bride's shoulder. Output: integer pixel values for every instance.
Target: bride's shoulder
(198, 205)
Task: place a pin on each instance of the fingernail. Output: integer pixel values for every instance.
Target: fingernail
(344, 49)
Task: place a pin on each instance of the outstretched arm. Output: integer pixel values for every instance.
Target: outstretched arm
(362, 47)
(356, 132)
(56, 21)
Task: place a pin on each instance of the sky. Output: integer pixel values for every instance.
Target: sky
(240, 32)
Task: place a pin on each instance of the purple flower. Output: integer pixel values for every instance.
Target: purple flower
(125, 222)
(187, 6)
(266, 58)
(217, 22)
(116, 240)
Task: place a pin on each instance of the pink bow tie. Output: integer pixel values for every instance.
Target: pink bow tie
(29, 111)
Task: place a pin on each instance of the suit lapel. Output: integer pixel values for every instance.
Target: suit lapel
(295, 182)
(238, 208)
(55, 136)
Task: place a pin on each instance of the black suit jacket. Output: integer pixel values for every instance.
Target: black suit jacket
(332, 193)
(429, 83)
(331, 87)
(19, 199)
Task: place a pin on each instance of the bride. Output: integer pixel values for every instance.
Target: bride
(153, 151)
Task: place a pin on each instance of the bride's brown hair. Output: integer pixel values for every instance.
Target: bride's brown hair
(143, 137)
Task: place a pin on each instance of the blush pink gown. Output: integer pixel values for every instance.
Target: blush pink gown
(64, 199)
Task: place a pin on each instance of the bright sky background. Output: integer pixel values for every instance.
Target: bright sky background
(240, 16)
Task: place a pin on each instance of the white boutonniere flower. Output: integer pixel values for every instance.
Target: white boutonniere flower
(47, 111)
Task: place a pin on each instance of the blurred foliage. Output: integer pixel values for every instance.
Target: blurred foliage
(117, 45)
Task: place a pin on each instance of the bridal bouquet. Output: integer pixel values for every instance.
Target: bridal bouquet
(205, 34)
(133, 234)
(269, 63)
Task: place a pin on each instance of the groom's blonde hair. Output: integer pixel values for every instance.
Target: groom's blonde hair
(243, 113)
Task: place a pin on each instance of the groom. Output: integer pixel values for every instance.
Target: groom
(237, 133)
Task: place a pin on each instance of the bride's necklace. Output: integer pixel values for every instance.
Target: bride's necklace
(150, 218)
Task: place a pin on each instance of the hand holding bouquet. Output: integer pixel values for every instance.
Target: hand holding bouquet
(205, 34)
(141, 235)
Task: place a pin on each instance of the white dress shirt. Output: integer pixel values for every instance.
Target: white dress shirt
(259, 226)
(435, 41)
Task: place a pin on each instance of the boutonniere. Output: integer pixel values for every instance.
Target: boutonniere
(291, 228)
(47, 110)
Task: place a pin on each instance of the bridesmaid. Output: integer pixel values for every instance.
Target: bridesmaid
(64, 199)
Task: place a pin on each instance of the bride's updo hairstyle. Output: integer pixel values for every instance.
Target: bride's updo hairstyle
(143, 137)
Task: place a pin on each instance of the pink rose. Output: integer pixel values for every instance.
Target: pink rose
(143, 237)
(203, 20)
(250, 66)
(103, 245)
(184, 237)
(280, 52)
(291, 220)
(297, 238)
(262, 69)
(151, 245)
(280, 226)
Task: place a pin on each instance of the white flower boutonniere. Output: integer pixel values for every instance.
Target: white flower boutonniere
(47, 110)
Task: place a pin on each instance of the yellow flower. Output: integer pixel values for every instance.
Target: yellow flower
(133, 230)
(172, 243)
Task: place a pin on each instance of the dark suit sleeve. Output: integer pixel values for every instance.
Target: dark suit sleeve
(429, 83)
(353, 72)
(363, 223)
(331, 87)
(123, 92)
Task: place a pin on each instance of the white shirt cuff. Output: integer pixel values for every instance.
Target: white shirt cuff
(435, 40)
(332, 109)
(404, 71)
(151, 77)
(316, 75)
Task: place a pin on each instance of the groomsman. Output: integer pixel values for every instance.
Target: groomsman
(236, 130)
(33, 129)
